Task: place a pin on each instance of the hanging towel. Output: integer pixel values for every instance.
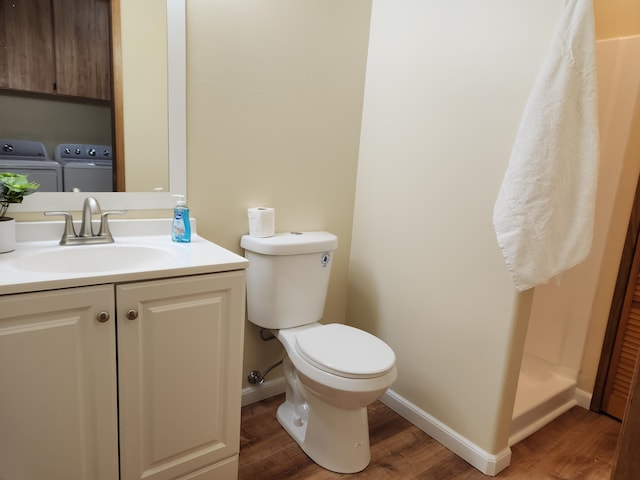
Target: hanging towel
(544, 213)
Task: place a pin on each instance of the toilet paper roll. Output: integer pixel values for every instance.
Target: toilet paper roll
(262, 222)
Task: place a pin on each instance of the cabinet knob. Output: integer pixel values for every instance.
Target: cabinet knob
(132, 315)
(102, 317)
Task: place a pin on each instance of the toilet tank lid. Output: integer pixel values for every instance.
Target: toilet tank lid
(291, 243)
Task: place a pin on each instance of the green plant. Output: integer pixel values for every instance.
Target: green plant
(15, 187)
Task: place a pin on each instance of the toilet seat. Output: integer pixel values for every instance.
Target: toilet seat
(345, 351)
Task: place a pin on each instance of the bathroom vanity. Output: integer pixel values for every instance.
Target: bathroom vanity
(131, 367)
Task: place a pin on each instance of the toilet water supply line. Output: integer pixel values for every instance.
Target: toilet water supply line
(255, 377)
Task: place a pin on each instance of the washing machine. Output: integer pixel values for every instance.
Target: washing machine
(30, 158)
(86, 168)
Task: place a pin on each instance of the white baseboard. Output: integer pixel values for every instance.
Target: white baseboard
(484, 461)
(266, 390)
(583, 398)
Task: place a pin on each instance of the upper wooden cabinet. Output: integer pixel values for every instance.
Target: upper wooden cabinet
(83, 60)
(56, 47)
(27, 59)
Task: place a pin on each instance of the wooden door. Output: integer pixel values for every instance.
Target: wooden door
(620, 346)
(179, 367)
(626, 462)
(626, 347)
(58, 415)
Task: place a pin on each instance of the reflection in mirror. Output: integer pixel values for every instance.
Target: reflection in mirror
(68, 107)
(174, 121)
(56, 84)
(140, 98)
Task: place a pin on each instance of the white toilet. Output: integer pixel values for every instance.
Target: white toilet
(333, 372)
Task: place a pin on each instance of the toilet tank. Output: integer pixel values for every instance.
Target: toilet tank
(288, 277)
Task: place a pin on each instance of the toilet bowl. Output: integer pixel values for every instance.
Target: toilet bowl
(332, 372)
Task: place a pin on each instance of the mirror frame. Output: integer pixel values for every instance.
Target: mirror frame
(176, 84)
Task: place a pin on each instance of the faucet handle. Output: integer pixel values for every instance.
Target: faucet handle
(69, 231)
(104, 223)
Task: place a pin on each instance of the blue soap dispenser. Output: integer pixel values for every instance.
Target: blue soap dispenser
(181, 228)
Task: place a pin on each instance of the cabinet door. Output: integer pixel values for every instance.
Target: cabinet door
(58, 416)
(82, 39)
(180, 361)
(26, 46)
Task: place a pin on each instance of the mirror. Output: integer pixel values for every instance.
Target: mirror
(176, 106)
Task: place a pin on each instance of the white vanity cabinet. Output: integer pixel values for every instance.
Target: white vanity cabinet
(129, 380)
(180, 375)
(58, 405)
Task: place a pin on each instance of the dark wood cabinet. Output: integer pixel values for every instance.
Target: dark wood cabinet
(27, 60)
(56, 46)
(83, 60)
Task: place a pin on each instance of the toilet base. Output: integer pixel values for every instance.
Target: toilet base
(335, 439)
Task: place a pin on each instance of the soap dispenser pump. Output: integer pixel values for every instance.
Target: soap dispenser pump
(181, 227)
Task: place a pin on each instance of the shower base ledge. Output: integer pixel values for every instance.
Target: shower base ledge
(540, 399)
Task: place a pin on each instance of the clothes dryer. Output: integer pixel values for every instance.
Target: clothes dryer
(86, 168)
(30, 158)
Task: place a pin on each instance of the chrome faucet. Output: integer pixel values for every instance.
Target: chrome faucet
(89, 208)
(87, 236)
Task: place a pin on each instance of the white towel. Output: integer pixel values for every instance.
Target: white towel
(544, 213)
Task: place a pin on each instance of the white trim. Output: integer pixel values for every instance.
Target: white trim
(583, 398)
(267, 389)
(484, 461)
(177, 96)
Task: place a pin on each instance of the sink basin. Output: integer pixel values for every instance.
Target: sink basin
(97, 258)
(142, 250)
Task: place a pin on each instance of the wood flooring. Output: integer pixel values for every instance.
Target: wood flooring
(578, 445)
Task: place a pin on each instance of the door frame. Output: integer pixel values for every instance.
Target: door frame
(617, 302)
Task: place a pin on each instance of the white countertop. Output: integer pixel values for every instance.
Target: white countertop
(198, 257)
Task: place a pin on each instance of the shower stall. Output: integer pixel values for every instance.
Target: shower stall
(569, 314)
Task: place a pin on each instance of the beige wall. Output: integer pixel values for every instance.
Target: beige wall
(274, 99)
(443, 99)
(144, 91)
